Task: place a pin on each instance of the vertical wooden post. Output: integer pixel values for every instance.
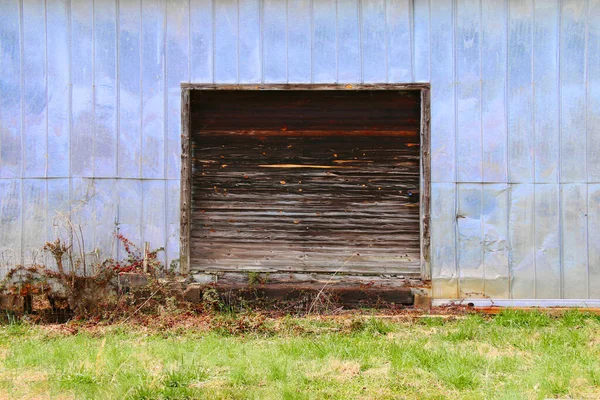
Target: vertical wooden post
(425, 183)
(186, 183)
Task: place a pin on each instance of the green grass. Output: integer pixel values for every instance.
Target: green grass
(510, 356)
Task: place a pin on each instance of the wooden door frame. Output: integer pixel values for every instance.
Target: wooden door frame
(425, 157)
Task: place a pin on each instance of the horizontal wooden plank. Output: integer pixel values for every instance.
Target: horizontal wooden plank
(304, 110)
(305, 182)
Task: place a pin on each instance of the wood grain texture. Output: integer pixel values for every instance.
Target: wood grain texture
(305, 181)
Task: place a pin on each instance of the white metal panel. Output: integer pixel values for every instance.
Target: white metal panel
(129, 193)
(130, 99)
(421, 38)
(324, 56)
(82, 98)
(34, 206)
(594, 240)
(520, 92)
(443, 240)
(249, 41)
(57, 212)
(443, 112)
(57, 16)
(34, 89)
(399, 40)
(105, 88)
(547, 241)
(468, 91)
(178, 59)
(299, 37)
(59, 206)
(154, 216)
(153, 88)
(374, 41)
(493, 90)
(494, 210)
(10, 220)
(201, 41)
(470, 247)
(274, 41)
(82, 218)
(573, 91)
(348, 41)
(173, 221)
(521, 237)
(105, 216)
(593, 93)
(226, 33)
(574, 240)
(10, 90)
(546, 109)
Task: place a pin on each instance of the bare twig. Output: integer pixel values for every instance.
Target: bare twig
(329, 281)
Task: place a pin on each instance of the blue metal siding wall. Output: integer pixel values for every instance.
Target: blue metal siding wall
(90, 119)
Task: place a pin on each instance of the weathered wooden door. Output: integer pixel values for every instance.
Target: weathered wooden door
(305, 180)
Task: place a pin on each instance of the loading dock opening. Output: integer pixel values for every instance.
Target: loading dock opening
(306, 178)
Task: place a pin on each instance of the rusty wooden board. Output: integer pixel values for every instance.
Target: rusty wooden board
(315, 181)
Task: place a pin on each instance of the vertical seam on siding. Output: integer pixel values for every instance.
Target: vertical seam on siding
(429, 39)
(94, 128)
(237, 42)
(141, 71)
(47, 205)
(533, 115)
(507, 153)
(311, 9)
(165, 127)
(261, 46)
(411, 33)
(560, 185)
(23, 127)
(46, 88)
(189, 39)
(457, 203)
(118, 91)
(483, 238)
(141, 230)
(287, 44)
(337, 50)
(70, 109)
(213, 12)
(360, 41)
(585, 82)
(386, 42)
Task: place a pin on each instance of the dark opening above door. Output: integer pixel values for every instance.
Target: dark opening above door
(305, 181)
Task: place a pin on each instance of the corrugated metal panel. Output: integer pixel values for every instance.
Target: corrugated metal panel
(10, 218)
(443, 240)
(10, 90)
(574, 240)
(593, 93)
(546, 111)
(496, 249)
(521, 230)
(59, 156)
(82, 90)
(547, 241)
(471, 275)
(91, 90)
(348, 41)
(34, 89)
(573, 91)
(520, 92)
(493, 91)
